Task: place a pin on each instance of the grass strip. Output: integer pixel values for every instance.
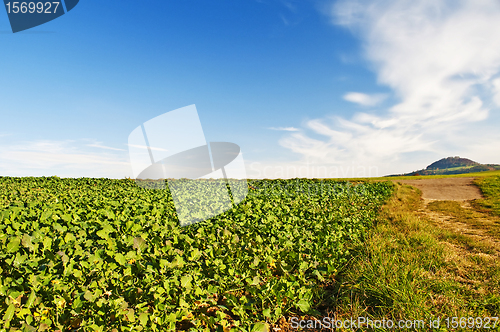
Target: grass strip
(410, 268)
(490, 187)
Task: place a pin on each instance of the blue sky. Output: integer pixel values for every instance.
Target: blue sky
(305, 88)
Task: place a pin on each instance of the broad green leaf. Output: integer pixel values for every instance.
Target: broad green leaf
(143, 318)
(109, 214)
(59, 227)
(131, 315)
(20, 259)
(13, 245)
(260, 327)
(28, 328)
(303, 305)
(66, 217)
(27, 242)
(195, 254)
(89, 296)
(69, 238)
(102, 234)
(46, 215)
(63, 256)
(186, 282)
(47, 243)
(140, 243)
(255, 281)
(303, 266)
(164, 263)
(120, 259)
(4, 215)
(31, 299)
(9, 313)
(77, 303)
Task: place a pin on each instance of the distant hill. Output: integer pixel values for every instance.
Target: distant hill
(453, 165)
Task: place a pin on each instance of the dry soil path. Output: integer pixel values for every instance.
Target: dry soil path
(456, 189)
(447, 189)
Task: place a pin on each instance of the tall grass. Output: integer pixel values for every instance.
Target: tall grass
(410, 268)
(490, 187)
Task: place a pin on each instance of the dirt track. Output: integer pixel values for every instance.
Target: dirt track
(449, 189)
(475, 225)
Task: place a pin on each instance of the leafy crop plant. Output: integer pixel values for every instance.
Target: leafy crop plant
(106, 255)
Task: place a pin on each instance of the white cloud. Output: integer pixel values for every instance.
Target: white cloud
(284, 128)
(440, 58)
(146, 147)
(100, 146)
(307, 169)
(364, 99)
(496, 91)
(62, 158)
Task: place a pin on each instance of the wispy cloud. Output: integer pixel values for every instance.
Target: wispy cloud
(146, 147)
(67, 158)
(284, 19)
(496, 91)
(284, 128)
(442, 61)
(291, 5)
(364, 99)
(100, 146)
(292, 15)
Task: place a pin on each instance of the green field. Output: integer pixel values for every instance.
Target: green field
(465, 175)
(490, 186)
(417, 177)
(106, 255)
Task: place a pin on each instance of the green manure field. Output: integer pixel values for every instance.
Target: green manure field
(106, 255)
